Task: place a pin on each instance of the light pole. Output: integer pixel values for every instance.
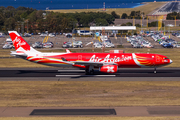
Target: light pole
(141, 22)
(147, 21)
(169, 31)
(164, 28)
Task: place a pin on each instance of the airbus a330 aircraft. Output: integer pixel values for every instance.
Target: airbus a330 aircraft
(106, 62)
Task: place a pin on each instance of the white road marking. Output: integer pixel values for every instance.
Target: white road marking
(71, 70)
(85, 75)
(135, 73)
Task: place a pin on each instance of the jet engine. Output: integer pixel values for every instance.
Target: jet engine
(109, 68)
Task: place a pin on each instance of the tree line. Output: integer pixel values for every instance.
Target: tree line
(30, 20)
(134, 15)
(173, 16)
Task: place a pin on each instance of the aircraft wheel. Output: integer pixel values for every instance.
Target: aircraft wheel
(92, 72)
(155, 70)
(87, 71)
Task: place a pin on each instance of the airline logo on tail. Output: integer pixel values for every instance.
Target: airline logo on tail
(18, 41)
(68, 51)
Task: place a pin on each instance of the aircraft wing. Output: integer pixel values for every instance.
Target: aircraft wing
(88, 63)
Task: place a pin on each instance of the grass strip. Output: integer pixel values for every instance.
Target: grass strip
(89, 93)
(150, 5)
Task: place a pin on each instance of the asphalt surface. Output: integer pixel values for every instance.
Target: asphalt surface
(170, 7)
(127, 74)
(128, 111)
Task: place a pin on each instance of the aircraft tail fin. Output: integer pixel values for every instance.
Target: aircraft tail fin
(20, 44)
(68, 51)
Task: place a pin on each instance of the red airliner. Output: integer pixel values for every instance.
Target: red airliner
(106, 62)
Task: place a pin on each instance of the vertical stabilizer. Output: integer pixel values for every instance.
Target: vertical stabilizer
(20, 44)
(68, 51)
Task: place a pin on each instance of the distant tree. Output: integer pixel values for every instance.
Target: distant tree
(128, 24)
(171, 16)
(10, 8)
(39, 14)
(101, 22)
(109, 18)
(17, 16)
(162, 24)
(123, 24)
(21, 8)
(136, 15)
(65, 24)
(153, 24)
(10, 23)
(2, 8)
(11, 18)
(77, 16)
(24, 15)
(40, 23)
(85, 20)
(52, 25)
(113, 13)
(32, 17)
(9, 14)
(124, 16)
(133, 13)
(137, 25)
(2, 19)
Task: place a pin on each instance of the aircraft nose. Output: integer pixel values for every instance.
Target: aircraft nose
(170, 61)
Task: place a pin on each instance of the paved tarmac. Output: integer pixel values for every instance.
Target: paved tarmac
(129, 111)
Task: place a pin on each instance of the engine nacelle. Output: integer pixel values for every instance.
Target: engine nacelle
(109, 68)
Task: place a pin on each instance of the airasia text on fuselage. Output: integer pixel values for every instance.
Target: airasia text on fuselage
(114, 59)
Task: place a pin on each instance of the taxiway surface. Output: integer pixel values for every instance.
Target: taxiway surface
(125, 111)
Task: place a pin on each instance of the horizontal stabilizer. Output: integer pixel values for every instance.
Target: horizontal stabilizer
(14, 53)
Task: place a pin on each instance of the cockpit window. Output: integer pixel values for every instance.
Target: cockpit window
(166, 58)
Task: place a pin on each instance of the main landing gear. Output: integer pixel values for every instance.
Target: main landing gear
(90, 70)
(154, 70)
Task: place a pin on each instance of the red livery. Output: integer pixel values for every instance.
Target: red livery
(106, 62)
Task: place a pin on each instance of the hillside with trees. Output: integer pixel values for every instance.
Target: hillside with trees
(30, 20)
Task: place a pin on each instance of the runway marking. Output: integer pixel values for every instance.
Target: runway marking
(85, 75)
(134, 73)
(71, 70)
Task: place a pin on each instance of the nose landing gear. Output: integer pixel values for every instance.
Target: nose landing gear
(155, 70)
